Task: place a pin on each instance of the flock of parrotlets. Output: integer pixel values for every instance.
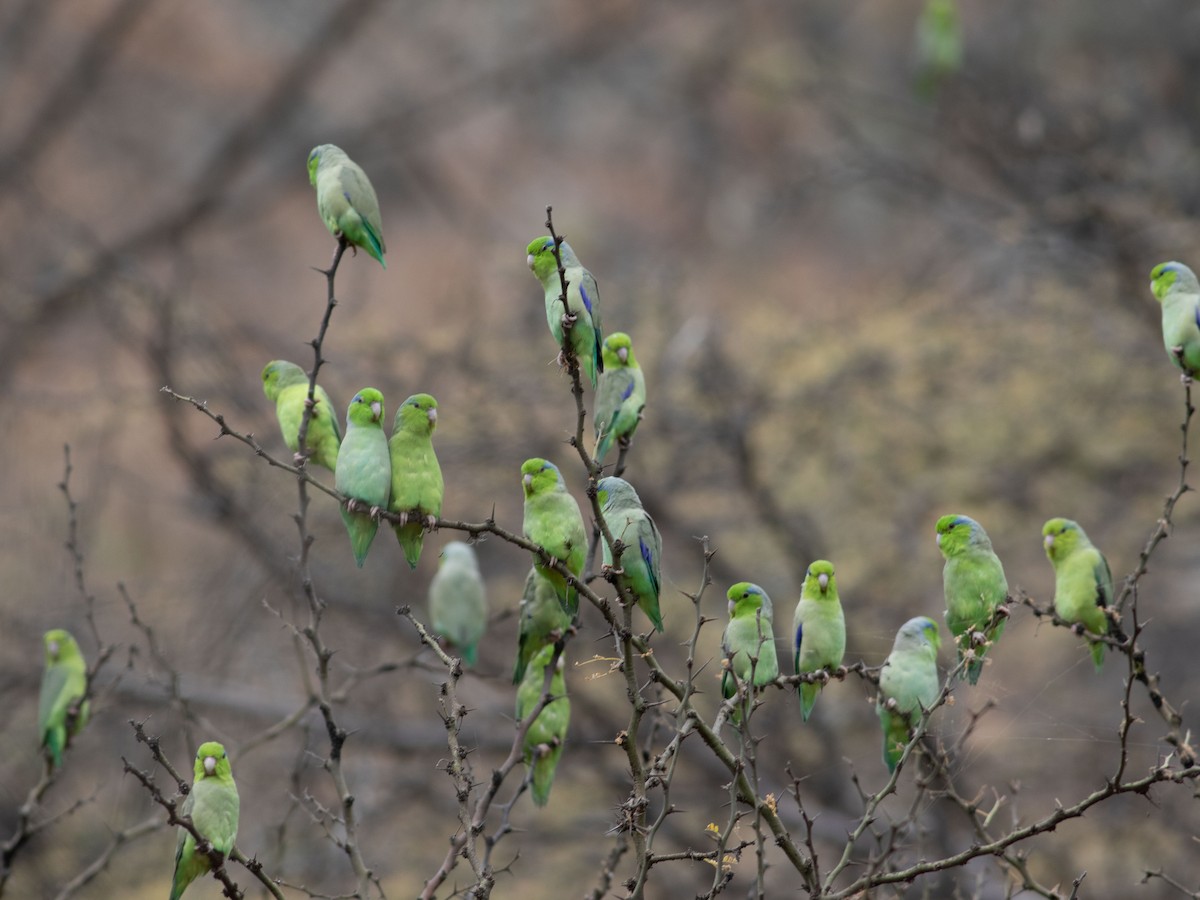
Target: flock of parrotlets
(402, 475)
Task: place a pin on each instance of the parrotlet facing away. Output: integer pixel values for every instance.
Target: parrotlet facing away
(553, 522)
(1176, 288)
(212, 805)
(286, 385)
(1083, 586)
(749, 636)
(543, 620)
(457, 601)
(417, 486)
(64, 684)
(974, 583)
(364, 470)
(818, 629)
(346, 200)
(544, 741)
(641, 559)
(583, 299)
(621, 396)
(909, 677)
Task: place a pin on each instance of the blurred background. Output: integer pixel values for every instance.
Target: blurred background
(874, 274)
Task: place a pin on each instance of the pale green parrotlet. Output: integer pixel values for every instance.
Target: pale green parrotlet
(286, 385)
(641, 559)
(457, 600)
(908, 685)
(543, 620)
(417, 486)
(1083, 585)
(212, 804)
(62, 707)
(553, 522)
(583, 299)
(749, 640)
(364, 470)
(818, 630)
(1176, 288)
(346, 200)
(621, 396)
(547, 735)
(974, 584)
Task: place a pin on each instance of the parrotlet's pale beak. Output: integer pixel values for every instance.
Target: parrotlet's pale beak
(623, 354)
(432, 415)
(731, 606)
(823, 580)
(52, 647)
(529, 260)
(210, 764)
(376, 409)
(1048, 540)
(528, 479)
(939, 539)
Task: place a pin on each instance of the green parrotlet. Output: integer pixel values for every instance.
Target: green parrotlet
(547, 735)
(364, 470)
(1176, 288)
(212, 805)
(908, 685)
(543, 620)
(583, 300)
(641, 559)
(553, 522)
(749, 640)
(457, 600)
(818, 630)
(1083, 585)
(621, 396)
(417, 486)
(346, 200)
(62, 707)
(286, 385)
(974, 584)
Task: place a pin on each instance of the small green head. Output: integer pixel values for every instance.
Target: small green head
(59, 645)
(278, 374)
(539, 475)
(1168, 275)
(539, 256)
(747, 598)
(1060, 537)
(955, 532)
(366, 408)
(611, 491)
(211, 761)
(315, 157)
(819, 577)
(418, 413)
(918, 632)
(618, 351)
